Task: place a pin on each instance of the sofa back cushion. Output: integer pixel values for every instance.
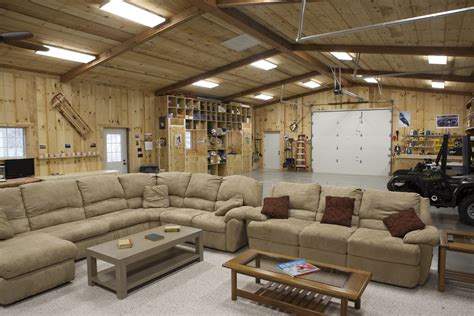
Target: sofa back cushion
(11, 203)
(304, 198)
(133, 185)
(376, 205)
(201, 192)
(350, 192)
(101, 195)
(177, 183)
(52, 203)
(249, 188)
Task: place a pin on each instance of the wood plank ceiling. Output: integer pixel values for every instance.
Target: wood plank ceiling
(193, 47)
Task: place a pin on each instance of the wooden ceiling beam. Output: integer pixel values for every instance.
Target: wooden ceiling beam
(217, 71)
(242, 3)
(390, 50)
(296, 96)
(415, 89)
(270, 85)
(132, 42)
(431, 76)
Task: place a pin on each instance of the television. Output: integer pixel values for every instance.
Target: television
(19, 168)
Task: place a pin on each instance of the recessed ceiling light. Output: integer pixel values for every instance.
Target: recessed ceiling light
(311, 84)
(341, 55)
(370, 80)
(62, 53)
(263, 96)
(133, 13)
(437, 84)
(206, 84)
(263, 64)
(438, 60)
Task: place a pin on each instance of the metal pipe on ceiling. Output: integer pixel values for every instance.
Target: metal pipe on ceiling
(401, 74)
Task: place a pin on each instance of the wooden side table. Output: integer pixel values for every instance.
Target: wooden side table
(459, 241)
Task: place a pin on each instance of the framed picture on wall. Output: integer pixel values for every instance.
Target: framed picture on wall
(447, 121)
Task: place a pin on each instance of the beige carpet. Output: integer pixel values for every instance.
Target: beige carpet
(204, 289)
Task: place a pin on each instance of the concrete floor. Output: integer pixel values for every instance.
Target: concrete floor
(443, 218)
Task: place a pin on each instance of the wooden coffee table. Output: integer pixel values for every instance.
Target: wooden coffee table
(145, 261)
(459, 241)
(306, 295)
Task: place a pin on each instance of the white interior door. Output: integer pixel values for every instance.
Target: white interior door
(271, 157)
(352, 142)
(115, 149)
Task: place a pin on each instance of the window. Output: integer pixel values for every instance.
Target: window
(188, 140)
(12, 142)
(114, 148)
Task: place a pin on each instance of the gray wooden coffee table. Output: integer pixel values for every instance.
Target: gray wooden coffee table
(145, 261)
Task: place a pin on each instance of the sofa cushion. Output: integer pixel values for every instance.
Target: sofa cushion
(181, 216)
(276, 207)
(222, 207)
(303, 197)
(401, 223)
(6, 229)
(283, 231)
(52, 203)
(154, 213)
(133, 185)
(77, 231)
(332, 238)
(380, 245)
(204, 186)
(176, 201)
(210, 222)
(124, 218)
(102, 195)
(338, 211)
(32, 251)
(177, 182)
(156, 196)
(12, 206)
(376, 205)
(249, 188)
(199, 204)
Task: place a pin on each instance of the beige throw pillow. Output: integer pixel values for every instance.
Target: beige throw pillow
(6, 229)
(156, 196)
(222, 207)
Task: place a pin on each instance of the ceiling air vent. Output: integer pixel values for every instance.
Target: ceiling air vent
(241, 42)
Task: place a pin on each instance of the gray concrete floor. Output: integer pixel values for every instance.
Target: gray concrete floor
(443, 218)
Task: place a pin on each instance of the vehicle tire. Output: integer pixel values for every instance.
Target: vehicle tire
(466, 210)
(285, 165)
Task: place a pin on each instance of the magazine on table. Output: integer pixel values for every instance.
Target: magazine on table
(297, 268)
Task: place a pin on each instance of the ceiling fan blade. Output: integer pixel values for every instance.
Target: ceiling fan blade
(15, 36)
(28, 45)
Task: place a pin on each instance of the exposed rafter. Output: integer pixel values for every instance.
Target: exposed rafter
(270, 85)
(421, 76)
(214, 72)
(426, 90)
(241, 3)
(134, 41)
(392, 50)
(296, 96)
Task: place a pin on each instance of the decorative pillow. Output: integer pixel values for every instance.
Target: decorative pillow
(156, 196)
(6, 229)
(222, 207)
(338, 211)
(276, 207)
(402, 223)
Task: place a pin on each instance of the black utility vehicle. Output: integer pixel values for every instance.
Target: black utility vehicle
(430, 180)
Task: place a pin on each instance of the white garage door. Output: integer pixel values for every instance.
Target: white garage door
(352, 142)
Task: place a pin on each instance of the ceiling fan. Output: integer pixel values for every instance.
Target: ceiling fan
(17, 39)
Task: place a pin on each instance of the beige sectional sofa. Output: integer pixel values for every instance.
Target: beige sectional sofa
(367, 245)
(55, 221)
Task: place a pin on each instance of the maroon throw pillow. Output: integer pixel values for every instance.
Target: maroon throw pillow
(400, 224)
(338, 211)
(276, 207)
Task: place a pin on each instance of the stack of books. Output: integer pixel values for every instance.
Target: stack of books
(172, 228)
(125, 243)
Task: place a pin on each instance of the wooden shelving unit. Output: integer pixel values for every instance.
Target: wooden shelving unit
(203, 135)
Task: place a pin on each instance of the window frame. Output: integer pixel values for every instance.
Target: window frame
(6, 147)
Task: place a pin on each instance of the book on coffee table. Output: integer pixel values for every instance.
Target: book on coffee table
(172, 228)
(125, 243)
(297, 267)
(154, 237)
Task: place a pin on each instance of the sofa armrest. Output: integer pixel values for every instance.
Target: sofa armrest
(427, 236)
(245, 213)
(255, 214)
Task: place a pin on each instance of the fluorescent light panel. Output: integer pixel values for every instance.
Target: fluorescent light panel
(311, 84)
(62, 53)
(341, 55)
(206, 84)
(132, 13)
(263, 64)
(437, 84)
(263, 96)
(438, 60)
(371, 80)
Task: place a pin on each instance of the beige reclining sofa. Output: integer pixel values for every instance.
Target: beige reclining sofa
(55, 221)
(367, 245)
